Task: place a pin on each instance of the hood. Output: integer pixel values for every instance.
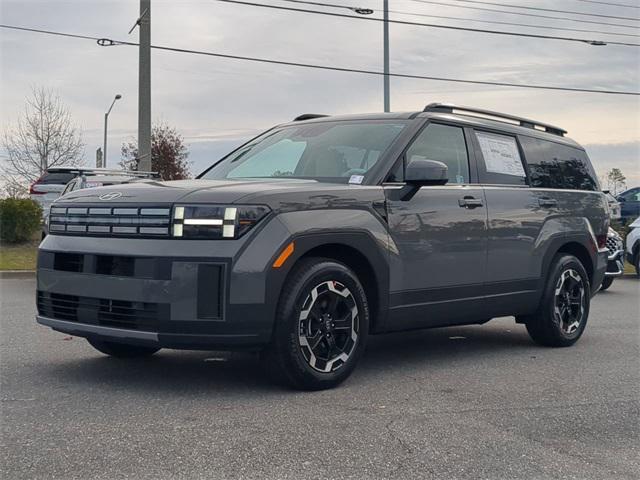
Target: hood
(196, 191)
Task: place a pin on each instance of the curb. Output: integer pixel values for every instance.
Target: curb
(17, 273)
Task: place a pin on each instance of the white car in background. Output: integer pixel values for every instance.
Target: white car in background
(633, 245)
(50, 185)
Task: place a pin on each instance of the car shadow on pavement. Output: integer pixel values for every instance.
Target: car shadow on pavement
(194, 372)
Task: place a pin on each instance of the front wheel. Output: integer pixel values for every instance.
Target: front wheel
(606, 283)
(121, 350)
(562, 315)
(321, 326)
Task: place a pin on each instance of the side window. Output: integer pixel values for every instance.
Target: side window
(501, 162)
(553, 165)
(445, 144)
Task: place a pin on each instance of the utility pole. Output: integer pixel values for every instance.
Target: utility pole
(144, 88)
(387, 95)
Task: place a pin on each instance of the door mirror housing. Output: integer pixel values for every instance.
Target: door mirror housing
(421, 172)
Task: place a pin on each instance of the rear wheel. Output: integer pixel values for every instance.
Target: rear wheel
(121, 350)
(562, 315)
(606, 283)
(321, 326)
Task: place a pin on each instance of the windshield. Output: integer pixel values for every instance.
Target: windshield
(328, 151)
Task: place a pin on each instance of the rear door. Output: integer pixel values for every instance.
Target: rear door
(516, 214)
(438, 272)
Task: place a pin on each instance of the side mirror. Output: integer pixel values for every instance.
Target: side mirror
(421, 172)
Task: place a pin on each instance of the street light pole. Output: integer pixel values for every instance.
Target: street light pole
(106, 119)
(387, 94)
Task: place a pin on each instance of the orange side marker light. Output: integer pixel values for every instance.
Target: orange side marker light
(286, 253)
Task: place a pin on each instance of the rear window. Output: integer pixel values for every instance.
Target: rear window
(552, 165)
(56, 178)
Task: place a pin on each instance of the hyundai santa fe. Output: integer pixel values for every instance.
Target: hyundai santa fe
(325, 230)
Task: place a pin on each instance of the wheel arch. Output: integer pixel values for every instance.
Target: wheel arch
(358, 251)
(580, 248)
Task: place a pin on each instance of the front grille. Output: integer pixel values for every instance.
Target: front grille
(110, 221)
(613, 244)
(103, 311)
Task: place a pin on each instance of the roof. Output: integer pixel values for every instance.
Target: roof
(467, 115)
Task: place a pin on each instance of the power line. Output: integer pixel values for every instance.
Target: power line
(521, 14)
(540, 9)
(49, 32)
(434, 25)
(495, 22)
(625, 5)
(109, 42)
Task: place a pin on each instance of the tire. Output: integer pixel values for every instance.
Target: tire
(637, 265)
(308, 335)
(563, 312)
(121, 350)
(606, 283)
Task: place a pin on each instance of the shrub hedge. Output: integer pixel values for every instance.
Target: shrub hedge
(20, 219)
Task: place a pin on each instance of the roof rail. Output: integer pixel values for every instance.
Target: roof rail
(100, 171)
(308, 116)
(523, 122)
(129, 173)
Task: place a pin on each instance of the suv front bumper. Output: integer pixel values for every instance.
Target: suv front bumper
(166, 293)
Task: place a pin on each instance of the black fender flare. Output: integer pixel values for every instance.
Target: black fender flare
(360, 240)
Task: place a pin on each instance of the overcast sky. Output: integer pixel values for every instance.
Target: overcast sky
(216, 104)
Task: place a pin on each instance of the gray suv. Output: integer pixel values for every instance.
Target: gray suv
(325, 230)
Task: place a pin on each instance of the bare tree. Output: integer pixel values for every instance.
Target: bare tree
(43, 137)
(12, 187)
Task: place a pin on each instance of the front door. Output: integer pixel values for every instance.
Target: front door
(438, 273)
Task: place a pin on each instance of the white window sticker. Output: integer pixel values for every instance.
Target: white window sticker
(500, 154)
(356, 179)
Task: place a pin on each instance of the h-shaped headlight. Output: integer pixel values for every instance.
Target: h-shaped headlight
(215, 221)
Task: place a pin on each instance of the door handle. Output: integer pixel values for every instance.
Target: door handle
(469, 202)
(547, 202)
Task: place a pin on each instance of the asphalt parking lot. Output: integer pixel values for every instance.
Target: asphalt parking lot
(469, 402)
